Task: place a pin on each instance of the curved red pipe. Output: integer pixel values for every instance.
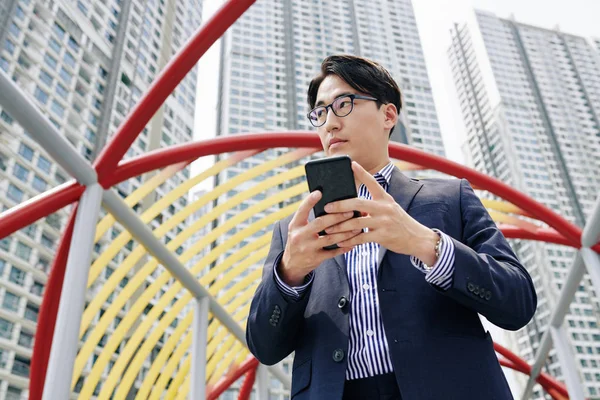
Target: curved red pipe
(186, 152)
(246, 389)
(166, 83)
(543, 379)
(47, 315)
(38, 207)
(248, 365)
(546, 235)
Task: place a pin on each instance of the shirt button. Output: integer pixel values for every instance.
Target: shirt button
(366, 286)
(370, 333)
(365, 253)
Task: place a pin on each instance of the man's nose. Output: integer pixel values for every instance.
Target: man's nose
(332, 122)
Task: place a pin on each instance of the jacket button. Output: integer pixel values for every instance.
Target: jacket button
(342, 302)
(488, 295)
(470, 286)
(476, 290)
(273, 322)
(338, 355)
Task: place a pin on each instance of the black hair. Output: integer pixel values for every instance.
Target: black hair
(364, 75)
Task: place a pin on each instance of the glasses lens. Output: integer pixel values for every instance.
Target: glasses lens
(342, 106)
(318, 116)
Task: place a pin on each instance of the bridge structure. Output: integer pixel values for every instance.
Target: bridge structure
(206, 297)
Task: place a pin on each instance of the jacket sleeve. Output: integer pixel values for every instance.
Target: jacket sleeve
(275, 320)
(488, 277)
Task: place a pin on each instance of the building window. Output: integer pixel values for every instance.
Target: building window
(17, 276)
(44, 164)
(4, 64)
(9, 46)
(11, 302)
(6, 328)
(54, 45)
(61, 91)
(30, 231)
(5, 244)
(46, 78)
(31, 313)
(14, 193)
(47, 241)
(26, 339)
(6, 118)
(23, 251)
(14, 30)
(69, 60)
(40, 95)
(39, 184)
(65, 76)
(26, 152)
(20, 172)
(21, 367)
(37, 289)
(50, 61)
(58, 30)
(57, 108)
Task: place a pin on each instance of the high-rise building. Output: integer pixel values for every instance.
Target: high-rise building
(530, 98)
(272, 52)
(85, 63)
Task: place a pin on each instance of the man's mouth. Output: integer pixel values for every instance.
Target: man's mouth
(336, 142)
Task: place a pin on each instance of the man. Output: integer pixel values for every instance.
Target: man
(392, 313)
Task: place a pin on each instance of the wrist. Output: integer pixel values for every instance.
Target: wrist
(287, 274)
(425, 249)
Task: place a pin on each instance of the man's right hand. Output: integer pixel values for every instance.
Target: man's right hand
(304, 248)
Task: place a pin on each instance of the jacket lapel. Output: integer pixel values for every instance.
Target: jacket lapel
(403, 190)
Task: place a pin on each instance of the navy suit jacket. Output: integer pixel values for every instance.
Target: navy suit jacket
(437, 344)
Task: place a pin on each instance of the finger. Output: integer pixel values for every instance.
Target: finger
(364, 237)
(325, 221)
(362, 205)
(368, 180)
(328, 240)
(301, 216)
(350, 225)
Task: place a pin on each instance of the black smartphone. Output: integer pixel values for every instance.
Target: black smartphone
(332, 176)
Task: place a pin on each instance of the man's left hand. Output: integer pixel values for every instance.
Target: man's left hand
(388, 224)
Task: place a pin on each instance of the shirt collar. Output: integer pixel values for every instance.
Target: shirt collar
(386, 172)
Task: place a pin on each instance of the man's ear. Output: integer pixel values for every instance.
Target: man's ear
(391, 115)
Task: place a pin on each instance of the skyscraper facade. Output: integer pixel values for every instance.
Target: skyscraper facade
(530, 98)
(85, 64)
(272, 52)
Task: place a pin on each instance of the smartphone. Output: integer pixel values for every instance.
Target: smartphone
(332, 176)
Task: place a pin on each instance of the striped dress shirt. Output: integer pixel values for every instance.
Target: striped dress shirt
(368, 350)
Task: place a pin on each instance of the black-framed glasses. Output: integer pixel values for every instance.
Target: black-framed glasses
(341, 106)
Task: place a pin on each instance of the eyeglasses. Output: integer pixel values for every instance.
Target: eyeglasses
(341, 106)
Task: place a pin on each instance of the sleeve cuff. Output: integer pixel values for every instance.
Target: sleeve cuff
(294, 292)
(442, 272)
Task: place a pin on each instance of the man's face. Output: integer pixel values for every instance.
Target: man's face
(361, 134)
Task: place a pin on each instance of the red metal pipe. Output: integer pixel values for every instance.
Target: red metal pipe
(225, 383)
(47, 315)
(246, 389)
(543, 379)
(166, 83)
(163, 157)
(49, 202)
(547, 235)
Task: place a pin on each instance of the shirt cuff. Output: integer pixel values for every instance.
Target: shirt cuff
(441, 273)
(294, 292)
